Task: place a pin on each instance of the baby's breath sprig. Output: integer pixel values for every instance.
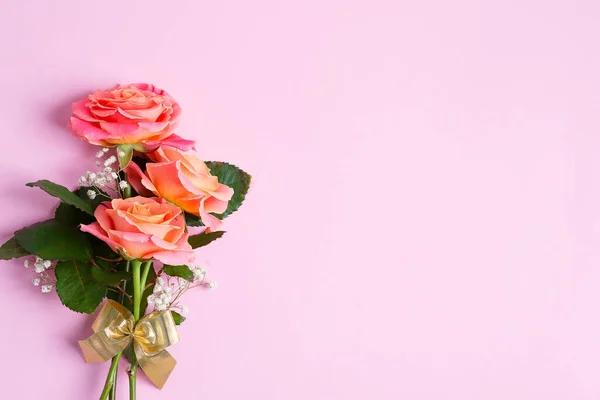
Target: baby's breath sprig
(168, 290)
(106, 178)
(43, 268)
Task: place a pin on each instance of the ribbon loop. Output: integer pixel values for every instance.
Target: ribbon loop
(115, 329)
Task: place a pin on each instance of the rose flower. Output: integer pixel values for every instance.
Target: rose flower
(184, 180)
(143, 228)
(139, 114)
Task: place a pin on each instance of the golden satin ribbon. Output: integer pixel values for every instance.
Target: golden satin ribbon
(115, 328)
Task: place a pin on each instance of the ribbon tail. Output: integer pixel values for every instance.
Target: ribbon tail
(157, 367)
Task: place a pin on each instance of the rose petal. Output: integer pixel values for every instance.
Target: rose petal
(165, 178)
(86, 130)
(135, 176)
(120, 130)
(82, 111)
(153, 126)
(149, 114)
(136, 245)
(223, 192)
(214, 205)
(172, 141)
(212, 222)
(95, 229)
(174, 257)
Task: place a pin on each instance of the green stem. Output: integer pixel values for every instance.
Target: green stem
(145, 271)
(139, 283)
(137, 295)
(110, 379)
(126, 193)
(132, 372)
(113, 392)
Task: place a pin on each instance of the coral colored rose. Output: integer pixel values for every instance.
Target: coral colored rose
(138, 114)
(182, 179)
(143, 228)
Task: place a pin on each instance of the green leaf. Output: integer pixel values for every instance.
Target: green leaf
(181, 271)
(95, 202)
(233, 177)
(109, 278)
(11, 249)
(127, 151)
(193, 220)
(178, 318)
(64, 194)
(72, 215)
(55, 240)
(204, 238)
(76, 287)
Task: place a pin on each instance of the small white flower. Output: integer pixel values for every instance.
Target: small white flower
(160, 281)
(212, 285)
(198, 274)
(160, 307)
(39, 265)
(184, 309)
(167, 291)
(91, 194)
(182, 283)
(110, 161)
(114, 175)
(91, 177)
(46, 288)
(123, 184)
(36, 281)
(100, 154)
(82, 180)
(27, 263)
(105, 149)
(108, 170)
(121, 154)
(151, 299)
(47, 264)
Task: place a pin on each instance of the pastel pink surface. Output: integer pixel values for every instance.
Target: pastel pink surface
(424, 220)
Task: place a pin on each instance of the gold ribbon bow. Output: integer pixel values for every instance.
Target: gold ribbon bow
(115, 328)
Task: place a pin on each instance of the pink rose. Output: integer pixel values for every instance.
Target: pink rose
(138, 114)
(184, 180)
(143, 228)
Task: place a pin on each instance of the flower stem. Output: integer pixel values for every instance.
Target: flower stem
(137, 295)
(145, 272)
(139, 282)
(132, 372)
(113, 391)
(110, 387)
(110, 379)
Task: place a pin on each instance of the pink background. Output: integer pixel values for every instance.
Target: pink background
(424, 222)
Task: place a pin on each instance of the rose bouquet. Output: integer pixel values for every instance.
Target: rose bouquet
(123, 242)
